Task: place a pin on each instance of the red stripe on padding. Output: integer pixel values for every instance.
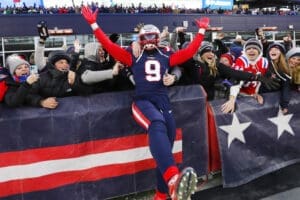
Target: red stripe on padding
(75, 150)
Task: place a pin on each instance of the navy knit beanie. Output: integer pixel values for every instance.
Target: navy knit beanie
(58, 55)
(205, 47)
(278, 46)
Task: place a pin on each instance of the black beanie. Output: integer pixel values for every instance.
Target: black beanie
(278, 46)
(205, 47)
(58, 55)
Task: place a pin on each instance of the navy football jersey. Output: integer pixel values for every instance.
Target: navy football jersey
(148, 71)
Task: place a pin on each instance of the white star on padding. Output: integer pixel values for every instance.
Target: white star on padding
(282, 123)
(235, 130)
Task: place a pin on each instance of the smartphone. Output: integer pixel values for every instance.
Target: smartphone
(33, 69)
(185, 24)
(166, 28)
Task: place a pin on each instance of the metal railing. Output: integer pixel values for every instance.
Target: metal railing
(26, 45)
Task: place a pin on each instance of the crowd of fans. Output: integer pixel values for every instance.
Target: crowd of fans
(155, 61)
(135, 9)
(96, 71)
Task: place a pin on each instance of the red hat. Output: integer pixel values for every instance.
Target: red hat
(228, 56)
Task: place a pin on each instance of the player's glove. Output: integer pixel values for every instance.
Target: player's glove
(270, 83)
(42, 30)
(89, 16)
(203, 22)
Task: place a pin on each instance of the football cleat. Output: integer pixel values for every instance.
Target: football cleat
(183, 185)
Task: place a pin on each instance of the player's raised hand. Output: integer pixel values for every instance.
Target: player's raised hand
(203, 22)
(89, 15)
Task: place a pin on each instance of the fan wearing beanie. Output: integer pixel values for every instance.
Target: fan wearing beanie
(207, 70)
(252, 61)
(19, 83)
(60, 60)
(253, 50)
(278, 68)
(293, 58)
(227, 59)
(58, 80)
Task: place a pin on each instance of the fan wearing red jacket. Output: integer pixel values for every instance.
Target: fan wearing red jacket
(151, 107)
(3, 86)
(252, 61)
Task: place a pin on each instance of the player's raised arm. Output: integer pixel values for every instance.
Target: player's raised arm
(184, 54)
(113, 49)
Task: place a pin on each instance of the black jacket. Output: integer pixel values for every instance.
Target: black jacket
(284, 85)
(19, 94)
(54, 83)
(198, 73)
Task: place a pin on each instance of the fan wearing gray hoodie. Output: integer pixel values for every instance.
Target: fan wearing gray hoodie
(97, 70)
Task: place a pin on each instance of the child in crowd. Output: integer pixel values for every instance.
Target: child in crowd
(19, 83)
(227, 59)
(253, 62)
(208, 71)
